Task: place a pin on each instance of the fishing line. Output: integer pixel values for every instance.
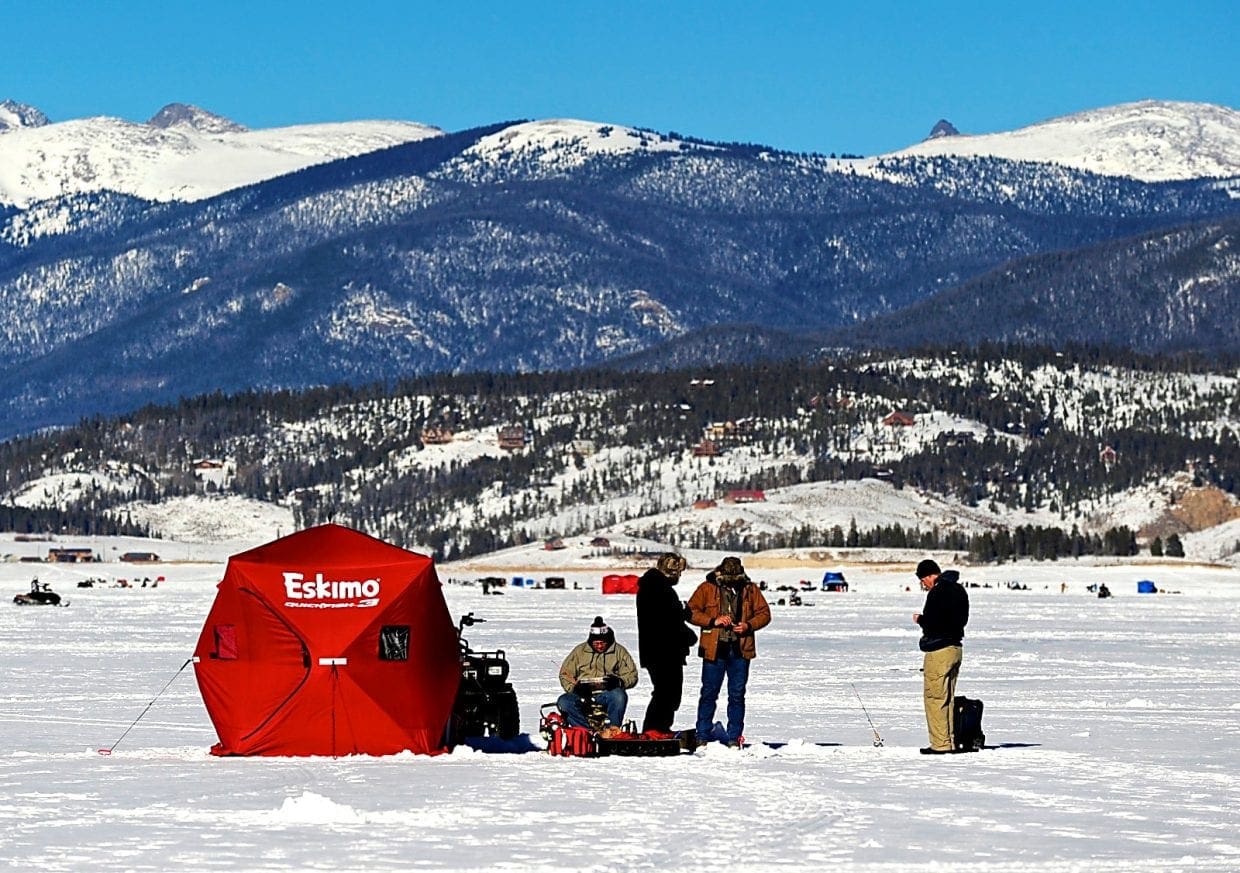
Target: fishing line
(878, 740)
(109, 749)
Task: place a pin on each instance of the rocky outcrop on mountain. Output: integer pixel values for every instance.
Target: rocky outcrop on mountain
(14, 115)
(184, 115)
(943, 128)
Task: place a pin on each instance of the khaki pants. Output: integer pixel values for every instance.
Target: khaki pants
(939, 671)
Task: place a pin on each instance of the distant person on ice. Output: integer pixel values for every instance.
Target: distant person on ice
(600, 669)
(942, 622)
(663, 640)
(728, 608)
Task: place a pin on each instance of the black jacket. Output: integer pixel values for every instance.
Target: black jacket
(662, 635)
(945, 614)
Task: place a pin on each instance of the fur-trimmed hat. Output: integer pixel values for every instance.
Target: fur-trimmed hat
(730, 570)
(671, 565)
(600, 631)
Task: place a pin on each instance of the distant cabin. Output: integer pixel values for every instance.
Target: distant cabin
(140, 557)
(1108, 455)
(900, 419)
(436, 436)
(955, 438)
(705, 503)
(511, 437)
(706, 449)
(554, 544)
(752, 495)
(729, 430)
(601, 543)
(70, 556)
(210, 471)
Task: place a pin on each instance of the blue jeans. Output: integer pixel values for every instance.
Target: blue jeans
(574, 710)
(730, 663)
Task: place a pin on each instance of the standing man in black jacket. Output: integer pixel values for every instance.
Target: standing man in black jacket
(663, 640)
(942, 622)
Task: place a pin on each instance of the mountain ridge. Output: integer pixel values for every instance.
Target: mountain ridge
(528, 245)
(1150, 140)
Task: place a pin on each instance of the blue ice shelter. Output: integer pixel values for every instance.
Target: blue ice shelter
(833, 580)
(1145, 586)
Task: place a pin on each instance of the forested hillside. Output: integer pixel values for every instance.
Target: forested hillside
(1048, 434)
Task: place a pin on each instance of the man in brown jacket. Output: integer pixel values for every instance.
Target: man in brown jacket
(729, 608)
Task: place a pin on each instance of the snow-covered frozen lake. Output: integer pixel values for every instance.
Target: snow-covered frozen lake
(1113, 729)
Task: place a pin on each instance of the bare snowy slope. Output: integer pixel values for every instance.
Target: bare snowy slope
(553, 147)
(1151, 140)
(177, 162)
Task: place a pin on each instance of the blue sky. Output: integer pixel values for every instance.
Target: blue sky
(826, 77)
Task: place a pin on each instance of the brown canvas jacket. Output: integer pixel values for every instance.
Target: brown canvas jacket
(705, 607)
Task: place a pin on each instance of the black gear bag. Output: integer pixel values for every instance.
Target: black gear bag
(967, 720)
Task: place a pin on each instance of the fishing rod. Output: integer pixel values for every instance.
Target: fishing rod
(109, 749)
(878, 740)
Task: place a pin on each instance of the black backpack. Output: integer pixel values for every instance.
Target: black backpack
(967, 720)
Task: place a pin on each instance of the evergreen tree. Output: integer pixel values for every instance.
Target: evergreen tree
(1175, 548)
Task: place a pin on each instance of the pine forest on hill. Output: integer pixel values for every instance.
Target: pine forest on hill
(1016, 432)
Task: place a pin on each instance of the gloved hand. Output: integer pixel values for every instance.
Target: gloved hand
(584, 691)
(610, 682)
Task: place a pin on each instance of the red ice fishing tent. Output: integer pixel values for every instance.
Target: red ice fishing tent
(328, 642)
(620, 583)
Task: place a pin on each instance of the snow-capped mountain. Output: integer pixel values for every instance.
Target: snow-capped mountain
(184, 154)
(14, 115)
(531, 245)
(1151, 140)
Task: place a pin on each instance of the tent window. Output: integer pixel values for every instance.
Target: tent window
(394, 642)
(225, 642)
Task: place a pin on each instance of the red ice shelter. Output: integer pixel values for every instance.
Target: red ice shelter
(328, 642)
(620, 583)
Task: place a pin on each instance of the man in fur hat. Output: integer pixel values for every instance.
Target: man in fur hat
(728, 608)
(663, 640)
(600, 669)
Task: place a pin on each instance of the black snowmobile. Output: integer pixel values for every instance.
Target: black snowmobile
(40, 594)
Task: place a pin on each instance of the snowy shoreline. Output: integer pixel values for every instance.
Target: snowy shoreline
(1112, 730)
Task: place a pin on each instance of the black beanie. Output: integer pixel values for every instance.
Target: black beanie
(600, 631)
(927, 568)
